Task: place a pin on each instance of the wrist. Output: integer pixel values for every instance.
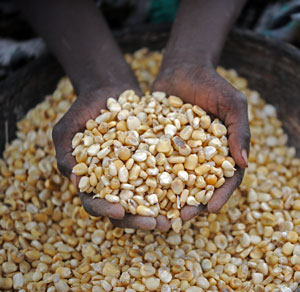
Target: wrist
(176, 66)
(111, 83)
(176, 59)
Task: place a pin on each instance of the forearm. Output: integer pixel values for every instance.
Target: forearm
(200, 30)
(81, 40)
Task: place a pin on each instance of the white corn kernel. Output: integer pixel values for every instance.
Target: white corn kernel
(191, 201)
(93, 150)
(152, 199)
(209, 152)
(144, 211)
(76, 140)
(183, 175)
(123, 174)
(88, 141)
(133, 123)
(165, 179)
(113, 106)
(112, 198)
(170, 130)
(84, 183)
(218, 130)
(227, 166)
(139, 157)
(102, 153)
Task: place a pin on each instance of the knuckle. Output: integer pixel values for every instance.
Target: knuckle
(245, 134)
(56, 132)
(240, 103)
(163, 82)
(248, 136)
(87, 206)
(243, 100)
(63, 167)
(159, 85)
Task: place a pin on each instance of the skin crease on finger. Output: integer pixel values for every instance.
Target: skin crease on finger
(189, 212)
(135, 222)
(100, 207)
(147, 223)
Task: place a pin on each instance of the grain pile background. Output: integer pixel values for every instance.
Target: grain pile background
(49, 243)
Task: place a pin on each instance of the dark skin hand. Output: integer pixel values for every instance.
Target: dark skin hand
(204, 87)
(84, 108)
(84, 45)
(188, 71)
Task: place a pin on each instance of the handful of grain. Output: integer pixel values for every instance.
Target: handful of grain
(152, 154)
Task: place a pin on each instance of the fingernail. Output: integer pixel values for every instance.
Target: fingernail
(245, 156)
(73, 180)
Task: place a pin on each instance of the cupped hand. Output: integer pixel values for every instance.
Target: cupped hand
(87, 106)
(201, 85)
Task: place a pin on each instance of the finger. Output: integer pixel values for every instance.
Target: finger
(189, 212)
(238, 131)
(84, 108)
(63, 148)
(72, 122)
(63, 133)
(222, 195)
(162, 223)
(160, 84)
(100, 207)
(135, 222)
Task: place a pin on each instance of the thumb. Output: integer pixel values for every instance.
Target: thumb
(238, 131)
(63, 132)
(62, 139)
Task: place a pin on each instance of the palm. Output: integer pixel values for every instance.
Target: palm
(83, 109)
(217, 97)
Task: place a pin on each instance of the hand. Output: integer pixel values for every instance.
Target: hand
(201, 85)
(87, 106)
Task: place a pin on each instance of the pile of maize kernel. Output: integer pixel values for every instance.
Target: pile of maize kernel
(152, 155)
(48, 242)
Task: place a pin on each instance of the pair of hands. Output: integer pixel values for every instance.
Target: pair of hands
(199, 85)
